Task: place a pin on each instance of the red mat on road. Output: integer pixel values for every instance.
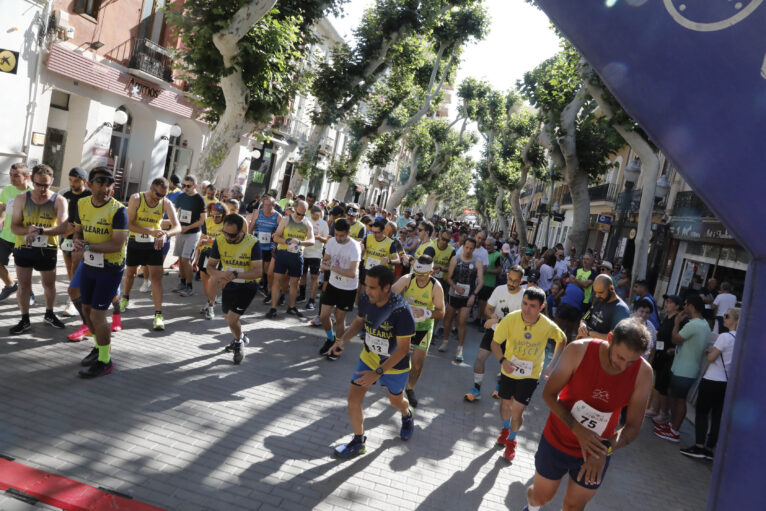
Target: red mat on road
(63, 493)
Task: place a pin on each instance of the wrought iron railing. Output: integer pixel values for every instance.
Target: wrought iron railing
(688, 204)
(151, 58)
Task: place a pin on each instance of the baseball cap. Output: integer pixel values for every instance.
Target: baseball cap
(352, 209)
(78, 172)
(506, 249)
(674, 298)
(607, 265)
(533, 276)
(529, 251)
(100, 171)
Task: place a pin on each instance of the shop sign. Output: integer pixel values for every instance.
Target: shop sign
(700, 230)
(469, 211)
(9, 61)
(139, 90)
(604, 219)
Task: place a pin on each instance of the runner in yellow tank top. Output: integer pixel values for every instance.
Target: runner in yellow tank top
(425, 296)
(38, 217)
(145, 212)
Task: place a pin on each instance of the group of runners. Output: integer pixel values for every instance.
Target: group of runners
(105, 244)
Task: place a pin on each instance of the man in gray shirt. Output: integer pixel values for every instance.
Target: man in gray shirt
(608, 310)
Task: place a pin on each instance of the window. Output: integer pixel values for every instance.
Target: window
(60, 100)
(87, 7)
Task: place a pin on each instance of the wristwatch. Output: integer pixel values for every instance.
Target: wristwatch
(379, 371)
(235, 273)
(40, 231)
(608, 446)
(86, 247)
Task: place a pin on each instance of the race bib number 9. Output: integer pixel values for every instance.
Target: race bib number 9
(94, 259)
(377, 345)
(185, 216)
(522, 368)
(590, 418)
(40, 241)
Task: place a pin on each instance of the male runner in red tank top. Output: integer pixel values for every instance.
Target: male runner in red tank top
(594, 380)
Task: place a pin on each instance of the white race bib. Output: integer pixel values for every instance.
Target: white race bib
(67, 245)
(522, 368)
(590, 418)
(466, 290)
(371, 261)
(660, 345)
(9, 208)
(294, 246)
(144, 238)
(264, 238)
(185, 216)
(423, 315)
(94, 259)
(377, 345)
(438, 274)
(40, 241)
(341, 280)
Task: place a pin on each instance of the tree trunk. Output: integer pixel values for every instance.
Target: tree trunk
(578, 188)
(521, 224)
(401, 191)
(502, 223)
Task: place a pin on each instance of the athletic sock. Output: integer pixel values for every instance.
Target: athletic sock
(512, 434)
(48, 313)
(116, 305)
(477, 379)
(103, 354)
(330, 334)
(78, 305)
(25, 318)
(183, 281)
(158, 312)
(359, 438)
(530, 507)
(507, 424)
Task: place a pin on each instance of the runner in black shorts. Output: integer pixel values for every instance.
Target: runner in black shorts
(240, 257)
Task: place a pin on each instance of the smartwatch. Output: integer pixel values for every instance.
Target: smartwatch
(40, 231)
(379, 371)
(86, 247)
(608, 446)
(235, 273)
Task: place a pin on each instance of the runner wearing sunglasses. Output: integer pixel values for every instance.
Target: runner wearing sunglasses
(210, 231)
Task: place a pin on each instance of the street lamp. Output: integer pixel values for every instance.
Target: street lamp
(662, 187)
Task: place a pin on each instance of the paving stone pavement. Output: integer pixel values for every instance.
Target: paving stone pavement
(177, 425)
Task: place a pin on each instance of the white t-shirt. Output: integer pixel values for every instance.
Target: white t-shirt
(560, 269)
(724, 301)
(320, 229)
(505, 302)
(546, 277)
(725, 344)
(479, 253)
(342, 256)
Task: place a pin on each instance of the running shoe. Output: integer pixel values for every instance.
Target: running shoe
(70, 310)
(21, 327)
(411, 397)
(186, 292)
(662, 427)
(315, 321)
(146, 286)
(90, 358)
(124, 304)
(239, 351)
(650, 413)
(180, 287)
(295, 312)
(443, 346)
(660, 419)
(272, 314)
(209, 312)
(282, 299)
(219, 299)
(8, 291)
(80, 334)
(503, 438)
(510, 450)
(116, 322)
(408, 426)
(326, 347)
(310, 305)
(668, 434)
(159, 323)
(53, 321)
(96, 369)
(473, 396)
(267, 300)
(709, 454)
(233, 343)
(459, 355)
(354, 448)
(31, 299)
(694, 452)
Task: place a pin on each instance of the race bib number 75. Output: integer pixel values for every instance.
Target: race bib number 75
(590, 418)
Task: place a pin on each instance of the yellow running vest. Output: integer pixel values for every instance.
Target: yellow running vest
(294, 230)
(41, 215)
(147, 217)
(422, 297)
(212, 230)
(237, 256)
(97, 226)
(375, 251)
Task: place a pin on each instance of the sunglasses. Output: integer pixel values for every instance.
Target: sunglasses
(216, 216)
(230, 234)
(41, 185)
(420, 230)
(187, 186)
(102, 180)
(158, 194)
(300, 214)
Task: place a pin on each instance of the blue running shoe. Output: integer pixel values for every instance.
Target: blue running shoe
(354, 448)
(408, 426)
(473, 396)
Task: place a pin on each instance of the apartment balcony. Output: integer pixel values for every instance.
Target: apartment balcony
(606, 192)
(688, 204)
(327, 145)
(151, 61)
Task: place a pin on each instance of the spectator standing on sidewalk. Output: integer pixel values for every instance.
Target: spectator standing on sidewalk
(712, 390)
(664, 352)
(724, 301)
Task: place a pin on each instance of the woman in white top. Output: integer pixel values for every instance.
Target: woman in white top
(712, 390)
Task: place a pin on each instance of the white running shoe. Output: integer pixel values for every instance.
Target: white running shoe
(70, 310)
(146, 286)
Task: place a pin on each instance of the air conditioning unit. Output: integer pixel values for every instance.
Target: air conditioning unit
(63, 28)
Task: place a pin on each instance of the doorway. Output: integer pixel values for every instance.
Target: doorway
(53, 152)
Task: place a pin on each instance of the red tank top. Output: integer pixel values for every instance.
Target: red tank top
(602, 392)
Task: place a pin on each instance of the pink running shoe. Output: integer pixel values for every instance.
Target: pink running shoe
(80, 334)
(116, 322)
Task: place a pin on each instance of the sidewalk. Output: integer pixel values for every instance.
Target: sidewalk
(177, 425)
